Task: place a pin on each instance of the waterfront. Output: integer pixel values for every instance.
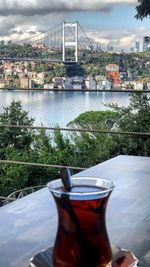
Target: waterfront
(51, 108)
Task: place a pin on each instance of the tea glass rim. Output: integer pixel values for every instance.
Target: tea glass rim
(100, 182)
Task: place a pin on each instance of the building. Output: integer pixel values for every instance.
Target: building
(110, 48)
(98, 47)
(137, 47)
(67, 84)
(77, 82)
(2, 43)
(41, 75)
(100, 86)
(90, 47)
(25, 83)
(123, 76)
(48, 86)
(77, 86)
(2, 83)
(9, 43)
(138, 85)
(104, 85)
(112, 73)
(58, 82)
(146, 42)
(90, 83)
(107, 85)
(9, 81)
(131, 49)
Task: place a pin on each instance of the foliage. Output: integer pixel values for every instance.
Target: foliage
(134, 118)
(136, 64)
(143, 9)
(92, 148)
(20, 138)
(13, 177)
(81, 149)
(26, 145)
(58, 70)
(99, 119)
(74, 70)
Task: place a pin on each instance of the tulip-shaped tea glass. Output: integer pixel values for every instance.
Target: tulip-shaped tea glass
(82, 239)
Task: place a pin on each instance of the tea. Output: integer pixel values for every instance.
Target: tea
(82, 239)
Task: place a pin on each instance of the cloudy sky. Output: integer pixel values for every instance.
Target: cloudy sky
(105, 21)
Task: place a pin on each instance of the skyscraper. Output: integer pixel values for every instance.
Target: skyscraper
(146, 41)
(9, 43)
(131, 49)
(2, 43)
(137, 47)
(110, 48)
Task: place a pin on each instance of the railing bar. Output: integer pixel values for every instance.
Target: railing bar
(20, 195)
(8, 198)
(40, 164)
(26, 189)
(76, 130)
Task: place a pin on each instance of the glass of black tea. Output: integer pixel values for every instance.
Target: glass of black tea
(82, 239)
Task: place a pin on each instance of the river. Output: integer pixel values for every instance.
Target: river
(51, 108)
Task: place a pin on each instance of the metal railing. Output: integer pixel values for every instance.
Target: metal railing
(23, 192)
(85, 130)
(19, 194)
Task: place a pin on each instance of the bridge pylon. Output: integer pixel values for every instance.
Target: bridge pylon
(73, 28)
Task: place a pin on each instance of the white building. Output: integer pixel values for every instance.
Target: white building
(148, 85)
(58, 81)
(90, 83)
(107, 84)
(77, 82)
(100, 86)
(77, 86)
(49, 86)
(67, 84)
(138, 86)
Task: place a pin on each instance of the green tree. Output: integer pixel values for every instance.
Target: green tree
(134, 118)
(92, 148)
(43, 152)
(64, 149)
(20, 138)
(13, 177)
(103, 120)
(15, 144)
(143, 9)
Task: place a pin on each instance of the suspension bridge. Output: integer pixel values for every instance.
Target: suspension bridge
(65, 42)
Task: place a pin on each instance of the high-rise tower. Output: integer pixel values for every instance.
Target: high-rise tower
(137, 47)
(146, 41)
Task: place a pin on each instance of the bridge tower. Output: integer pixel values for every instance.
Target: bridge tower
(73, 28)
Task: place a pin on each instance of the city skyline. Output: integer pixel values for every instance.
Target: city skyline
(108, 22)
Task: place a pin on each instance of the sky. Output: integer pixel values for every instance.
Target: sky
(108, 22)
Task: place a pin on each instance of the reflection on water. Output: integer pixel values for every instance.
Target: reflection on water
(51, 108)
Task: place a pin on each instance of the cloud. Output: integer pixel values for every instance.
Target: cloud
(21, 19)
(10, 25)
(119, 38)
(43, 7)
(39, 15)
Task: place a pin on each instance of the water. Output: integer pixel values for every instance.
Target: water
(51, 108)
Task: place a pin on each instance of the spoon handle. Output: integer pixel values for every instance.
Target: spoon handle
(66, 178)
